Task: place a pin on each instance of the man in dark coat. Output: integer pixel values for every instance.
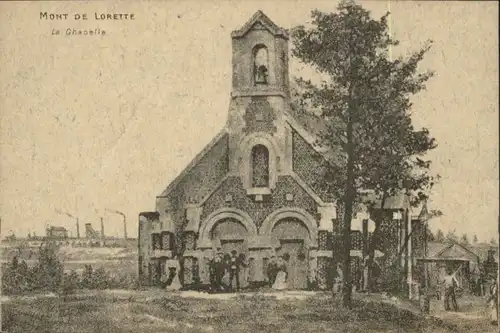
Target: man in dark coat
(218, 267)
(234, 270)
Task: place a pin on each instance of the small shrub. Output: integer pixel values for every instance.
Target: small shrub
(70, 283)
(45, 275)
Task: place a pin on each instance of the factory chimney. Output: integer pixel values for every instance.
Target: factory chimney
(102, 230)
(124, 220)
(77, 229)
(124, 226)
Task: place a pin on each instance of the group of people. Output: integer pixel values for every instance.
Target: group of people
(225, 271)
(226, 265)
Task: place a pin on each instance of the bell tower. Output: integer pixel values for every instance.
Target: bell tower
(260, 97)
(260, 58)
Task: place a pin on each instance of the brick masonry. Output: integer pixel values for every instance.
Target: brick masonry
(259, 117)
(310, 166)
(258, 211)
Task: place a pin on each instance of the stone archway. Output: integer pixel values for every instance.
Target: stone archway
(291, 213)
(231, 215)
(293, 232)
(226, 229)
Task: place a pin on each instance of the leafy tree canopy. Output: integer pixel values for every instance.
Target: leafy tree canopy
(364, 105)
(365, 87)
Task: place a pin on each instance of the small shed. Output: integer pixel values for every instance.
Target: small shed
(441, 256)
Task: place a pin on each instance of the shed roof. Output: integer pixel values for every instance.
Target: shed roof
(450, 251)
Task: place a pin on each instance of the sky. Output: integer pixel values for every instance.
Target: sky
(95, 122)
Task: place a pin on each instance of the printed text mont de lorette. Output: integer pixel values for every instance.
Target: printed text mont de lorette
(97, 16)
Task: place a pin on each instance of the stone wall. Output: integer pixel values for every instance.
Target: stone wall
(258, 211)
(310, 166)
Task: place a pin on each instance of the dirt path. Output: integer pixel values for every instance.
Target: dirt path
(472, 316)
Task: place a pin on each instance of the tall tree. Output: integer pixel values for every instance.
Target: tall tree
(364, 104)
(440, 236)
(464, 240)
(474, 239)
(451, 235)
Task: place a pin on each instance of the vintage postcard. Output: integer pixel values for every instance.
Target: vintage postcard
(249, 166)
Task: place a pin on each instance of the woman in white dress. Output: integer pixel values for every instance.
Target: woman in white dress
(226, 281)
(173, 268)
(281, 277)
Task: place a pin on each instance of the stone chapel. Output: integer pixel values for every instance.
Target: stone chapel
(254, 187)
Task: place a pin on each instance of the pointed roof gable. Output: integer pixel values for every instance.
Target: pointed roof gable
(450, 250)
(261, 21)
(193, 163)
(457, 251)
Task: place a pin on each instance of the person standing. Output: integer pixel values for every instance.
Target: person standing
(173, 268)
(226, 281)
(450, 284)
(234, 270)
(272, 270)
(219, 269)
(244, 270)
(339, 279)
(492, 302)
(281, 278)
(212, 273)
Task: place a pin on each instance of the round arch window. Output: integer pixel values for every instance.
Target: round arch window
(260, 166)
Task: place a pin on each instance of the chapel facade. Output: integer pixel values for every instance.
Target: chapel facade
(255, 187)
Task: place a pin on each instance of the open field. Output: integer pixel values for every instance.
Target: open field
(114, 260)
(157, 311)
(69, 253)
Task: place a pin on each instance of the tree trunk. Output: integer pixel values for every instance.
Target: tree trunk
(378, 219)
(350, 194)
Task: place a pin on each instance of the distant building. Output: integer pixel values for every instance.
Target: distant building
(56, 232)
(459, 258)
(257, 187)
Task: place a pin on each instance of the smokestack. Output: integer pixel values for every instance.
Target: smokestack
(102, 231)
(77, 229)
(124, 219)
(124, 226)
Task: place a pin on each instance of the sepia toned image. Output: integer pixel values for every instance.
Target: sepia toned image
(249, 166)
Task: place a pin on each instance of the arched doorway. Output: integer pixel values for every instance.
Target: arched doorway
(290, 237)
(231, 235)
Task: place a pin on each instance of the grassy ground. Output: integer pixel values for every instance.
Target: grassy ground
(153, 312)
(471, 317)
